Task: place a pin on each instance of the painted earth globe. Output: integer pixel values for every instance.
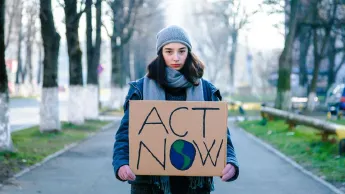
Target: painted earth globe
(182, 154)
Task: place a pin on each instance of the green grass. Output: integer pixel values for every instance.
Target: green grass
(111, 112)
(248, 113)
(251, 98)
(23, 97)
(304, 146)
(32, 146)
(341, 122)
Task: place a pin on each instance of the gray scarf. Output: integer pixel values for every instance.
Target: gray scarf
(153, 91)
(175, 79)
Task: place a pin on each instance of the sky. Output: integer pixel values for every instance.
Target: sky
(261, 35)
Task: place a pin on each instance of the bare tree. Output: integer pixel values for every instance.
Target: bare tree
(123, 16)
(304, 40)
(323, 20)
(11, 12)
(5, 133)
(268, 65)
(32, 15)
(76, 89)
(235, 17)
(19, 24)
(212, 40)
(49, 110)
(283, 98)
(93, 59)
(142, 44)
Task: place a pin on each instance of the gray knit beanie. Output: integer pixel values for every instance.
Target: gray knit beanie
(172, 34)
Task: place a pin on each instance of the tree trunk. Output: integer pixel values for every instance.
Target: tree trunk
(19, 51)
(97, 47)
(319, 51)
(76, 93)
(39, 62)
(317, 60)
(304, 40)
(116, 64)
(5, 133)
(125, 64)
(115, 75)
(93, 56)
(232, 58)
(29, 53)
(91, 70)
(91, 90)
(14, 6)
(49, 110)
(283, 98)
(331, 62)
(139, 57)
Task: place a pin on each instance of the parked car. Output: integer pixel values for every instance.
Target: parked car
(335, 99)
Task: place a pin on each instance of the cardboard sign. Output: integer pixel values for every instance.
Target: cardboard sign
(177, 138)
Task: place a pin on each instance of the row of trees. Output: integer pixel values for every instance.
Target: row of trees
(314, 39)
(128, 24)
(314, 34)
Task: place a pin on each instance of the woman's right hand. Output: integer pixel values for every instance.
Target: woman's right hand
(125, 173)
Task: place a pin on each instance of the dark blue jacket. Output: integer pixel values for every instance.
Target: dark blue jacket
(121, 148)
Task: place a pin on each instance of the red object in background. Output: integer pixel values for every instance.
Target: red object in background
(342, 99)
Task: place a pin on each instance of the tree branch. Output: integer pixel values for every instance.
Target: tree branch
(61, 4)
(106, 30)
(340, 65)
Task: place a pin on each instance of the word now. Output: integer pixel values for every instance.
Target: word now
(188, 156)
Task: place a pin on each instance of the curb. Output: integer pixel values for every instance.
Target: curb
(292, 162)
(58, 153)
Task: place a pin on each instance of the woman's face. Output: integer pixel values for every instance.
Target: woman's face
(175, 55)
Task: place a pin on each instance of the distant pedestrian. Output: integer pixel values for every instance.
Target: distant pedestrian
(175, 74)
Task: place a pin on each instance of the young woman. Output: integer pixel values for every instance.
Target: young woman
(176, 74)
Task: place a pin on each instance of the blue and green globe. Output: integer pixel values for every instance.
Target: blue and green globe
(182, 154)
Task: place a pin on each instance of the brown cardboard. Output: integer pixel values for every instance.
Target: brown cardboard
(146, 132)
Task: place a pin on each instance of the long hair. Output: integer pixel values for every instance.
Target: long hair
(192, 70)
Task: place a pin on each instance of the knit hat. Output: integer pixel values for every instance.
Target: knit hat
(172, 34)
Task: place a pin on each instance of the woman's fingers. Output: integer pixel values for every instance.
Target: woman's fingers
(130, 174)
(125, 173)
(229, 174)
(226, 169)
(121, 175)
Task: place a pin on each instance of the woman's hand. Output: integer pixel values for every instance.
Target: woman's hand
(125, 173)
(228, 172)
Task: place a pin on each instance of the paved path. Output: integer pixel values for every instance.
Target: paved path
(86, 169)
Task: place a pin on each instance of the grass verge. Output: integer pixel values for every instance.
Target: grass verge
(111, 112)
(304, 146)
(32, 146)
(232, 113)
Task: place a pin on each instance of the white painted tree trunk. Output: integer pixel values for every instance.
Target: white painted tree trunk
(311, 101)
(117, 97)
(76, 105)
(5, 133)
(285, 100)
(49, 110)
(91, 102)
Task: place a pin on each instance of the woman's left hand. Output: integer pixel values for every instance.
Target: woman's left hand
(228, 172)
